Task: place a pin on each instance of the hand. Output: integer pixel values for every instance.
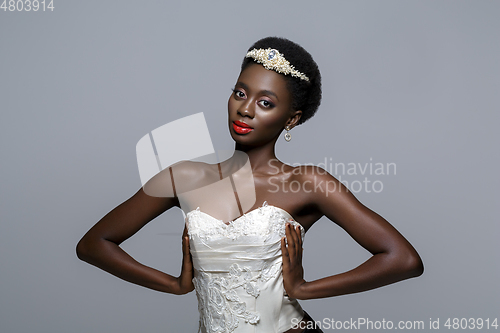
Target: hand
(185, 280)
(293, 272)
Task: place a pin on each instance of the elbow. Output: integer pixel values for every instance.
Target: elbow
(80, 250)
(83, 250)
(413, 265)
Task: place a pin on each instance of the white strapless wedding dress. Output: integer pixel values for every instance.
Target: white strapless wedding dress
(238, 272)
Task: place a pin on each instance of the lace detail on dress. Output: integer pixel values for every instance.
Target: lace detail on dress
(270, 221)
(219, 304)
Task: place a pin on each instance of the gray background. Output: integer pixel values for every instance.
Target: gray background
(411, 83)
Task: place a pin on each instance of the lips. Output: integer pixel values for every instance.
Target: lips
(241, 128)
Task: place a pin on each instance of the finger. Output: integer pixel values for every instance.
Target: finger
(292, 245)
(185, 240)
(299, 236)
(184, 245)
(284, 251)
(185, 251)
(293, 231)
(289, 238)
(299, 242)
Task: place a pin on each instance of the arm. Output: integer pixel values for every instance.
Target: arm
(100, 245)
(393, 258)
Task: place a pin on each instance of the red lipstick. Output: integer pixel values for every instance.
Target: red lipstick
(241, 128)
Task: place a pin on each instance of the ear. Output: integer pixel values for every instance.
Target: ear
(294, 119)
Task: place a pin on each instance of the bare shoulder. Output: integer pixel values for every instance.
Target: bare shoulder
(322, 187)
(192, 171)
(179, 177)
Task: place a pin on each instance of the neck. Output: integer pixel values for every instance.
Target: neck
(262, 158)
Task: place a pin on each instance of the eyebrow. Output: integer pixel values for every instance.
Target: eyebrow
(265, 92)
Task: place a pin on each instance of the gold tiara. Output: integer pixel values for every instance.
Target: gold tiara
(273, 60)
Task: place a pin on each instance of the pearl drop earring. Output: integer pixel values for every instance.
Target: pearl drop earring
(288, 136)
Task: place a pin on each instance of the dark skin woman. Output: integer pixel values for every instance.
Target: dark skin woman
(263, 101)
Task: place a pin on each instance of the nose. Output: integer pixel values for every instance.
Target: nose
(246, 108)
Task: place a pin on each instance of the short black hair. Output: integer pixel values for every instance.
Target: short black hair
(306, 95)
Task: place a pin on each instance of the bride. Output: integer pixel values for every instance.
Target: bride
(246, 217)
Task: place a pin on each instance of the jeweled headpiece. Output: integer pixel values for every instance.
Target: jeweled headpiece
(273, 60)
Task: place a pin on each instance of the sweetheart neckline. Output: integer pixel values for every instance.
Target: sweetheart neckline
(240, 217)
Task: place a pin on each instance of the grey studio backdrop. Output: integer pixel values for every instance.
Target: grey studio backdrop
(414, 84)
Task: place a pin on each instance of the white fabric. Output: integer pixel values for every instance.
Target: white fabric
(238, 272)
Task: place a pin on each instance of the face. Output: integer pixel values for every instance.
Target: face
(260, 106)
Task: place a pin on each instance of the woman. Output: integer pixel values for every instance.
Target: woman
(248, 272)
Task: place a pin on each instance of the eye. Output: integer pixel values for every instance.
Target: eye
(266, 104)
(238, 93)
